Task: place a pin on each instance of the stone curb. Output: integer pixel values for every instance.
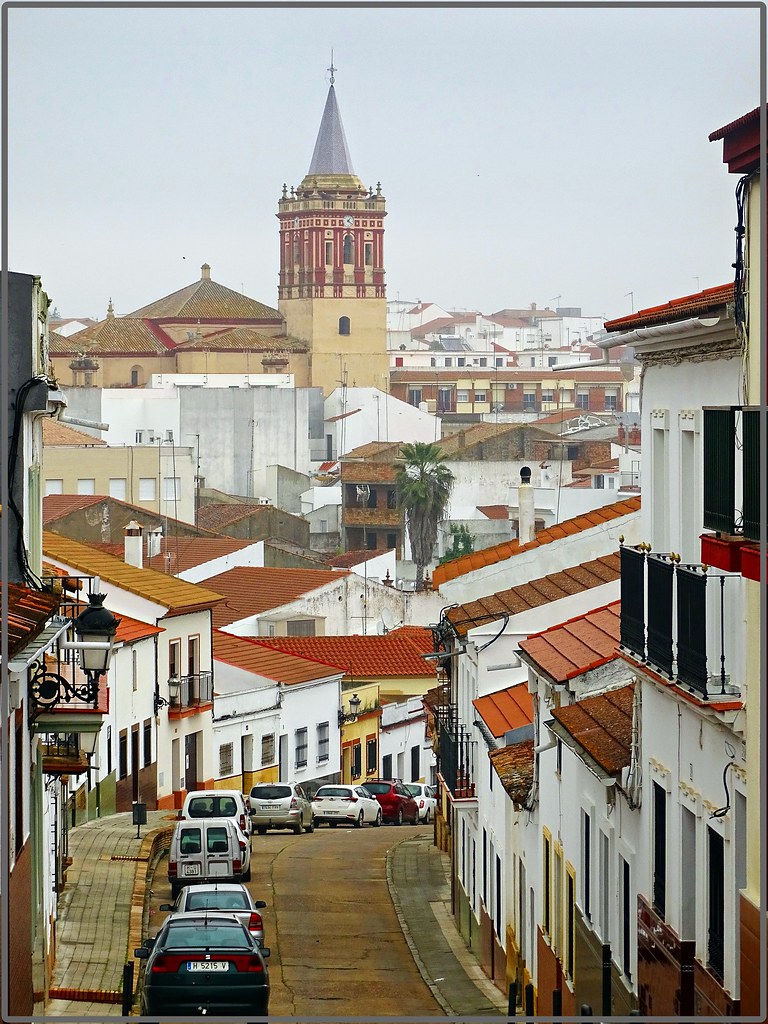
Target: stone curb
(153, 844)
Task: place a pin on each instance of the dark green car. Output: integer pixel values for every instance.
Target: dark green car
(204, 963)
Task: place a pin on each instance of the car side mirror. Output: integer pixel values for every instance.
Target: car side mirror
(180, 816)
(142, 953)
(165, 906)
(259, 904)
(265, 951)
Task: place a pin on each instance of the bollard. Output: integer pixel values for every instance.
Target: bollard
(687, 978)
(127, 988)
(586, 1010)
(512, 1002)
(529, 1000)
(557, 1004)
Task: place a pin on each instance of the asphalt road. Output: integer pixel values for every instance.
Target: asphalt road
(337, 949)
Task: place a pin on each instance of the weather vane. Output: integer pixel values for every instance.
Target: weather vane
(332, 69)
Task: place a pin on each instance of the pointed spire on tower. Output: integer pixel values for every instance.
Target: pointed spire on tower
(331, 155)
(110, 310)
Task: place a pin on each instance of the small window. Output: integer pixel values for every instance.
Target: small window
(172, 488)
(481, 396)
(529, 401)
(349, 249)
(371, 756)
(610, 403)
(117, 487)
(391, 541)
(329, 253)
(301, 748)
(344, 325)
(356, 760)
(148, 742)
(134, 378)
(54, 486)
(547, 396)
(386, 766)
(267, 749)
(369, 254)
(323, 741)
(582, 399)
(300, 627)
(174, 659)
(462, 396)
(86, 485)
(147, 488)
(226, 760)
(122, 755)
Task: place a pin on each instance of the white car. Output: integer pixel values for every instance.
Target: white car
(333, 804)
(424, 796)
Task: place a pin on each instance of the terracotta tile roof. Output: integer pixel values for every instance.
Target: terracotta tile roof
(215, 516)
(490, 556)
(209, 301)
(342, 416)
(131, 630)
(182, 553)
(602, 726)
(57, 433)
(494, 511)
(394, 654)
(373, 449)
(28, 612)
(535, 593)
(251, 591)
(327, 467)
(476, 434)
(247, 654)
(506, 709)
(434, 326)
(598, 372)
(350, 558)
(176, 595)
(578, 645)
(120, 336)
(241, 339)
(740, 122)
(514, 766)
(57, 505)
(709, 299)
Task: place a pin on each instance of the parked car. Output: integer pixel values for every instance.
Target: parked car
(397, 804)
(217, 803)
(425, 798)
(280, 805)
(208, 850)
(352, 804)
(204, 963)
(232, 897)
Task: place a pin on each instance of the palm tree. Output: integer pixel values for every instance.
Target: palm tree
(423, 488)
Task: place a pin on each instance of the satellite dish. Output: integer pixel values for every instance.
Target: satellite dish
(386, 622)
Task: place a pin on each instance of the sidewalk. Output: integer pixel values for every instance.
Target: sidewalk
(103, 902)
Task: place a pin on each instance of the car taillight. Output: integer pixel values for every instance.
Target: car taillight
(294, 803)
(237, 865)
(421, 803)
(255, 924)
(167, 963)
(318, 799)
(173, 869)
(252, 964)
(242, 823)
(351, 799)
(242, 845)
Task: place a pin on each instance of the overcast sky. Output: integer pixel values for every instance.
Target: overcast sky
(557, 156)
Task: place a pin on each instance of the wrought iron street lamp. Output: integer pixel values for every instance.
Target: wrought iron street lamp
(354, 710)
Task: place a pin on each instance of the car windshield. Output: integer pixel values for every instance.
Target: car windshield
(270, 792)
(378, 787)
(333, 791)
(217, 901)
(204, 935)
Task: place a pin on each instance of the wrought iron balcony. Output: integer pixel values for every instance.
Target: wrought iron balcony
(681, 621)
(193, 690)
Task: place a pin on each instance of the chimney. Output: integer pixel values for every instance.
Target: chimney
(134, 554)
(527, 521)
(206, 272)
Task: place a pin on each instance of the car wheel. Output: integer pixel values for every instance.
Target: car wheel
(311, 826)
(261, 829)
(378, 818)
(298, 828)
(399, 820)
(175, 890)
(247, 874)
(428, 817)
(359, 820)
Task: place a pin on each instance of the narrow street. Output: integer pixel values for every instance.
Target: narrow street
(337, 948)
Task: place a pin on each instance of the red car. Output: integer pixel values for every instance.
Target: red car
(397, 804)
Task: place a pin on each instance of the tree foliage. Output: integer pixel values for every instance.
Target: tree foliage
(462, 543)
(424, 486)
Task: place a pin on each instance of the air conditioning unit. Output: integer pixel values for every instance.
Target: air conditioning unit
(265, 501)
(151, 437)
(511, 387)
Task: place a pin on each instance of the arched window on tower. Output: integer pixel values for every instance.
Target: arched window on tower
(343, 325)
(349, 249)
(296, 251)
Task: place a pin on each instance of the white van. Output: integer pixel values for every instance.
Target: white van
(218, 803)
(208, 850)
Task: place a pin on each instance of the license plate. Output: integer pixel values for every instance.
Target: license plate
(329, 811)
(270, 807)
(207, 965)
(191, 869)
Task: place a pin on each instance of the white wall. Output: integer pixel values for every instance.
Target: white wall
(380, 418)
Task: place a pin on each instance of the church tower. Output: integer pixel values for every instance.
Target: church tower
(332, 291)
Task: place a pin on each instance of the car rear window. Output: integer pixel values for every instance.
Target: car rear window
(378, 787)
(190, 841)
(333, 791)
(413, 788)
(199, 935)
(270, 792)
(217, 901)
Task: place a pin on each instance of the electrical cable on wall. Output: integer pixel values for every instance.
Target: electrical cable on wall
(30, 578)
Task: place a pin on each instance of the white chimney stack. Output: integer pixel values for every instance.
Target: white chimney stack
(526, 530)
(134, 554)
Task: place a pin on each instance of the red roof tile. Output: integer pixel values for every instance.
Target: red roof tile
(131, 630)
(497, 553)
(494, 511)
(350, 558)
(250, 591)
(514, 766)
(576, 646)
(57, 505)
(602, 726)
(57, 433)
(506, 710)
(675, 309)
(28, 612)
(397, 653)
(245, 653)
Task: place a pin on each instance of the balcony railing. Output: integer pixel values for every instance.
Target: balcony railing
(194, 690)
(680, 620)
(732, 481)
(456, 751)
